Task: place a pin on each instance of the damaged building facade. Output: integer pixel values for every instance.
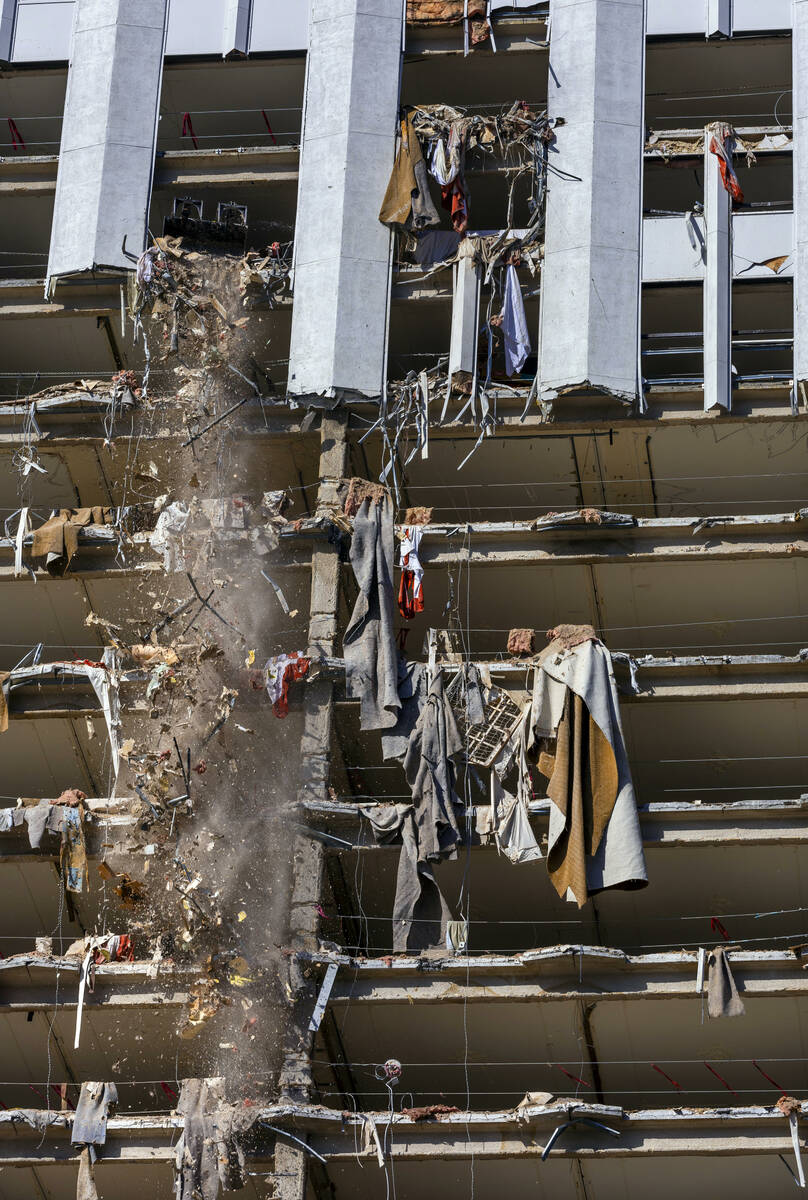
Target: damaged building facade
(402, 416)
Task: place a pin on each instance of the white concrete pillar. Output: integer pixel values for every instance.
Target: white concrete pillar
(590, 301)
(799, 45)
(719, 18)
(236, 27)
(109, 131)
(465, 312)
(717, 292)
(342, 251)
(8, 9)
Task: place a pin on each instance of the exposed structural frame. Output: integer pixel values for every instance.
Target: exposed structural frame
(656, 1132)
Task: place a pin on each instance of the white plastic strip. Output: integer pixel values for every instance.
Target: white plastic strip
(795, 1142)
(23, 528)
(322, 999)
(85, 969)
(701, 968)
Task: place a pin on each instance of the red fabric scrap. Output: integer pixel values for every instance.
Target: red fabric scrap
(716, 926)
(410, 600)
(188, 129)
(665, 1075)
(293, 671)
(728, 176)
(575, 1077)
(721, 1077)
(16, 137)
(269, 128)
(453, 198)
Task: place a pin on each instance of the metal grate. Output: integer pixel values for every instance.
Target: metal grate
(502, 716)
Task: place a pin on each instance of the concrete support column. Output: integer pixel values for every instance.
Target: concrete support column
(315, 758)
(106, 158)
(236, 28)
(342, 252)
(590, 303)
(719, 18)
(8, 9)
(799, 50)
(717, 295)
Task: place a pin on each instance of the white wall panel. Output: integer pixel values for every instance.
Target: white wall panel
(279, 25)
(686, 16)
(195, 27)
(667, 254)
(749, 15)
(667, 19)
(42, 28)
(757, 238)
(42, 31)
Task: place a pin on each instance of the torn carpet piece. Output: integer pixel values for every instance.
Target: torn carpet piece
(209, 1151)
(722, 994)
(57, 540)
(521, 641)
(407, 203)
(369, 645)
(594, 839)
(362, 489)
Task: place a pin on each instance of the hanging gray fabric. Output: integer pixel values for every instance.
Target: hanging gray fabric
(472, 695)
(90, 1120)
(412, 694)
(420, 913)
(430, 773)
(369, 645)
(722, 994)
(36, 818)
(427, 828)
